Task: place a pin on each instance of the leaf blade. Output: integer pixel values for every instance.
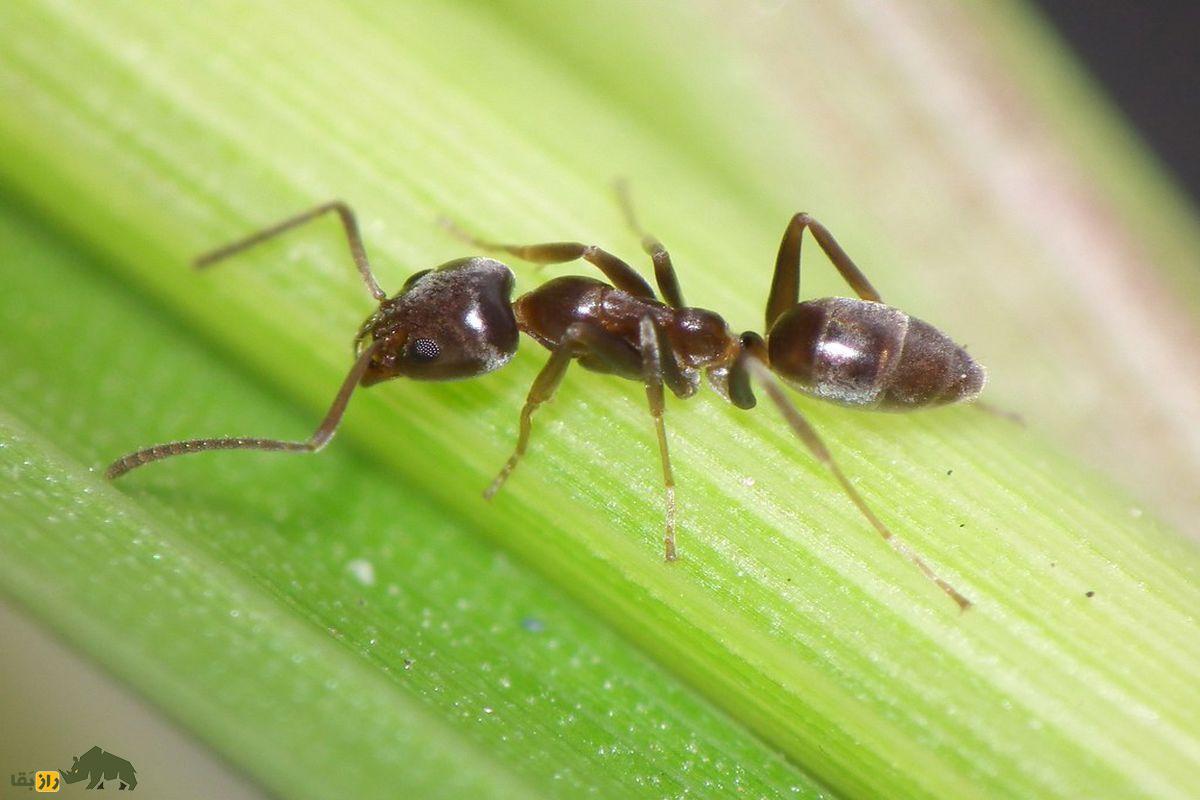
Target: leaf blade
(876, 648)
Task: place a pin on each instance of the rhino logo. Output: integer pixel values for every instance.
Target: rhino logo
(98, 766)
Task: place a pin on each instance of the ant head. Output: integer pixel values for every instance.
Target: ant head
(448, 323)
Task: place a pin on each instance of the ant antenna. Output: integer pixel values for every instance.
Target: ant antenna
(349, 223)
(319, 439)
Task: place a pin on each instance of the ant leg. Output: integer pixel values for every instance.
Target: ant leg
(320, 437)
(652, 346)
(623, 276)
(581, 339)
(664, 270)
(806, 434)
(349, 223)
(785, 285)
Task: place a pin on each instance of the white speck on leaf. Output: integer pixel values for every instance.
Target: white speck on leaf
(363, 571)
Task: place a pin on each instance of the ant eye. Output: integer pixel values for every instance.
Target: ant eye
(423, 350)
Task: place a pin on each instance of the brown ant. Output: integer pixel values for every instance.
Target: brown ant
(458, 321)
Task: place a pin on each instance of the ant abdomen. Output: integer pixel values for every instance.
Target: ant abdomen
(867, 354)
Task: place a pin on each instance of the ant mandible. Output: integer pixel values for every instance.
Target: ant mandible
(459, 321)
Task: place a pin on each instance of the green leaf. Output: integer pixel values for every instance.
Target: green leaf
(790, 648)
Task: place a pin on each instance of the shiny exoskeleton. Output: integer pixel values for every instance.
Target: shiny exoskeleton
(459, 321)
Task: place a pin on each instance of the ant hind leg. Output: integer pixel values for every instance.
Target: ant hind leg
(785, 285)
(805, 432)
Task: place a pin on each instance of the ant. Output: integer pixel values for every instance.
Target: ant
(459, 321)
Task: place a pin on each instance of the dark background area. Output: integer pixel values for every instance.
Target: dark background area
(1147, 54)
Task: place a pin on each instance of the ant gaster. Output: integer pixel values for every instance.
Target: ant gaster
(458, 321)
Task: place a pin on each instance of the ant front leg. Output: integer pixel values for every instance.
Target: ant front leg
(611, 353)
(812, 441)
(785, 285)
(319, 439)
(580, 339)
(623, 276)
